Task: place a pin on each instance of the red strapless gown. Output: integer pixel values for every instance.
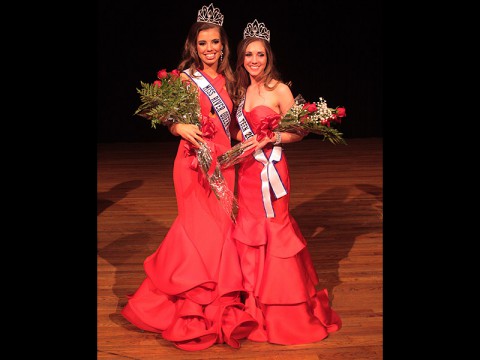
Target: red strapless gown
(191, 292)
(278, 272)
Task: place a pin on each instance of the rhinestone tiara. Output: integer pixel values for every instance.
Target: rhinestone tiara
(210, 14)
(256, 29)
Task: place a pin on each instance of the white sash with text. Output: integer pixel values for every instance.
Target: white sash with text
(218, 104)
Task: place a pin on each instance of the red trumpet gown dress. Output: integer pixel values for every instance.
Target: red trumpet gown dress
(191, 294)
(278, 271)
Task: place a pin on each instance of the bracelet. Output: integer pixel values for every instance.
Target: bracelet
(278, 138)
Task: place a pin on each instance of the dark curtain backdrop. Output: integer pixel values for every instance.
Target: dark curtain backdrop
(327, 48)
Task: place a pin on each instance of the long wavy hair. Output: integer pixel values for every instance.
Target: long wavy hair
(242, 78)
(190, 58)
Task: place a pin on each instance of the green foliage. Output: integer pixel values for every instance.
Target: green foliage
(315, 118)
(174, 101)
(330, 133)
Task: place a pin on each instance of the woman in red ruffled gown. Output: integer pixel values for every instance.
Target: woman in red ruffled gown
(192, 291)
(278, 272)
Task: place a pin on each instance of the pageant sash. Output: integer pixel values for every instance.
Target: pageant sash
(217, 102)
(242, 122)
(269, 175)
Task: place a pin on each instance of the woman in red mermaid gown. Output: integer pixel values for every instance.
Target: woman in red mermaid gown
(191, 294)
(278, 272)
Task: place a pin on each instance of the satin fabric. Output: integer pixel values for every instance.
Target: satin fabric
(279, 275)
(191, 294)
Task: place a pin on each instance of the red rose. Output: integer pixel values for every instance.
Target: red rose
(267, 125)
(336, 118)
(158, 83)
(341, 112)
(208, 127)
(162, 74)
(310, 107)
(175, 73)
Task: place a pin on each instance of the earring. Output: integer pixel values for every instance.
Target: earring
(221, 56)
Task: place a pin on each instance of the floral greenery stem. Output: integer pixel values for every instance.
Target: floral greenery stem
(329, 133)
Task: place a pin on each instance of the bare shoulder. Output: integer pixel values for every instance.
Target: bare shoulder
(285, 97)
(280, 89)
(283, 90)
(284, 94)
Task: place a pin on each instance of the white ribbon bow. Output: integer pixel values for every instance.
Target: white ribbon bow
(270, 177)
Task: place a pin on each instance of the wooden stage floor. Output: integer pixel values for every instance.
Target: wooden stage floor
(337, 200)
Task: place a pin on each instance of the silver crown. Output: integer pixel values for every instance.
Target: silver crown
(210, 14)
(256, 29)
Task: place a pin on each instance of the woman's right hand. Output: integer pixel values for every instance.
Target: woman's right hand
(188, 132)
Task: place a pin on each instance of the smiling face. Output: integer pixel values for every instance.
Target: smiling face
(209, 46)
(255, 58)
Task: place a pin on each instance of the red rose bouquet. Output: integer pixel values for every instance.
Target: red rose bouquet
(302, 118)
(171, 99)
